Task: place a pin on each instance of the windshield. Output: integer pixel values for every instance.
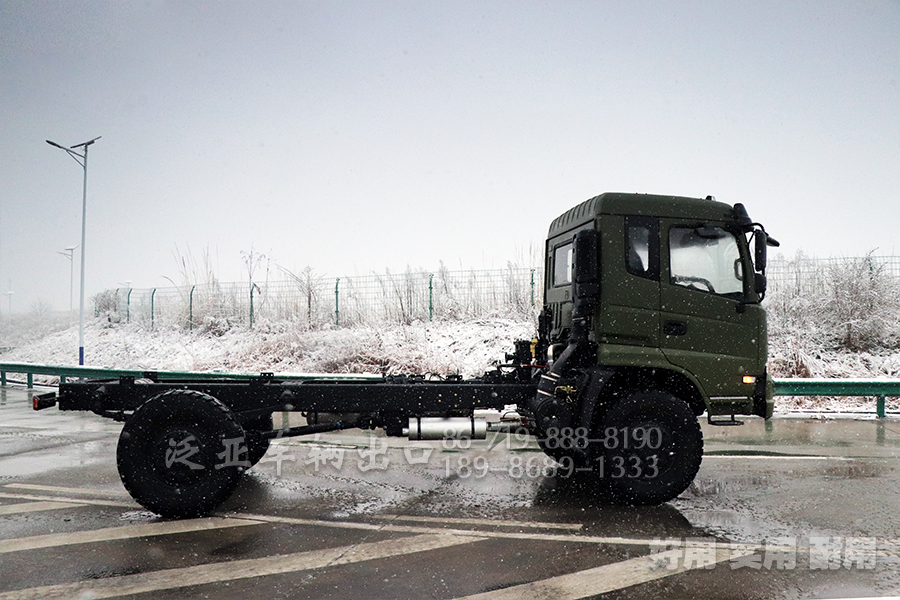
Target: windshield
(709, 263)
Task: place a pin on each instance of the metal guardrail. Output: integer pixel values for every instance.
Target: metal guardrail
(879, 388)
(63, 372)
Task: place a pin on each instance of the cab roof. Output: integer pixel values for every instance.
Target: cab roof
(614, 203)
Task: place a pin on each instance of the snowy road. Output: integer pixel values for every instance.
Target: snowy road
(793, 508)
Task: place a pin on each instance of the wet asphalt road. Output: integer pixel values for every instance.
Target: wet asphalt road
(792, 508)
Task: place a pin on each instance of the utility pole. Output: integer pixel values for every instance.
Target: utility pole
(68, 253)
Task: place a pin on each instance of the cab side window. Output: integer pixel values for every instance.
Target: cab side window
(562, 264)
(642, 246)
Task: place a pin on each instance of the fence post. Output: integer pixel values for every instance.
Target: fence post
(532, 288)
(337, 311)
(128, 307)
(191, 310)
(431, 297)
(152, 309)
(879, 407)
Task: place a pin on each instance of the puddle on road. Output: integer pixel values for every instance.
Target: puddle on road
(43, 461)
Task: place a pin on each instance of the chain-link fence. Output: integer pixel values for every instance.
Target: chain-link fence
(803, 275)
(318, 301)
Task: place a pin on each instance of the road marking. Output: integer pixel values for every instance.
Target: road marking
(549, 537)
(488, 522)
(119, 533)
(607, 578)
(238, 569)
(67, 499)
(12, 509)
(515, 535)
(413, 529)
(767, 457)
(66, 490)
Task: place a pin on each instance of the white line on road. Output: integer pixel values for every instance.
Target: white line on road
(886, 549)
(549, 537)
(14, 509)
(119, 533)
(66, 490)
(601, 580)
(238, 569)
(515, 535)
(772, 457)
(75, 500)
(488, 522)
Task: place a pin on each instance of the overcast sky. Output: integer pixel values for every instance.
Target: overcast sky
(358, 136)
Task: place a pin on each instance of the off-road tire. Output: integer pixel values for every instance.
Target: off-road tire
(666, 470)
(149, 441)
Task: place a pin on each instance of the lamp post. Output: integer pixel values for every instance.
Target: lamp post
(68, 253)
(81, 159)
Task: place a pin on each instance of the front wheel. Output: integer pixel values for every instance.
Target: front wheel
(648, 448)
(181, 454)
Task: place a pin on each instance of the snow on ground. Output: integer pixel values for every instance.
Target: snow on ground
(468, 348)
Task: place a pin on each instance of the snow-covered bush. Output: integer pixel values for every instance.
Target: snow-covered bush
(833, 318)
(862, 311)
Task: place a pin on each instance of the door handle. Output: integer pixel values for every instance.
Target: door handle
(675, 328)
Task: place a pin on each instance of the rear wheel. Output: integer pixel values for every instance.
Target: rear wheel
(648, 448)
(181, 454)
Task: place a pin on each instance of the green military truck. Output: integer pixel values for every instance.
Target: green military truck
(651, 318)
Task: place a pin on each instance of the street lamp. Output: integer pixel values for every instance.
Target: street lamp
(83, 162)
(68, 252)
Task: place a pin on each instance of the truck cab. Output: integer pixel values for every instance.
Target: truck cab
(677, 294)
(652, 317)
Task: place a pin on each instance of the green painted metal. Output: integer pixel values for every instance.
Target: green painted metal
(532, 288)
(879, 388)
(837, 387)
(431, 297)
(96, 373)
(337, 311)
(128, 307)
(191, 310)
(152, 308)
(251, 305)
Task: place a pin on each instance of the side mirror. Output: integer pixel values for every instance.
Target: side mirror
(759, 258)
(759, 284)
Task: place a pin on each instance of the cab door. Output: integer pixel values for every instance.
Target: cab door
(706, 329)
(628, 323)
